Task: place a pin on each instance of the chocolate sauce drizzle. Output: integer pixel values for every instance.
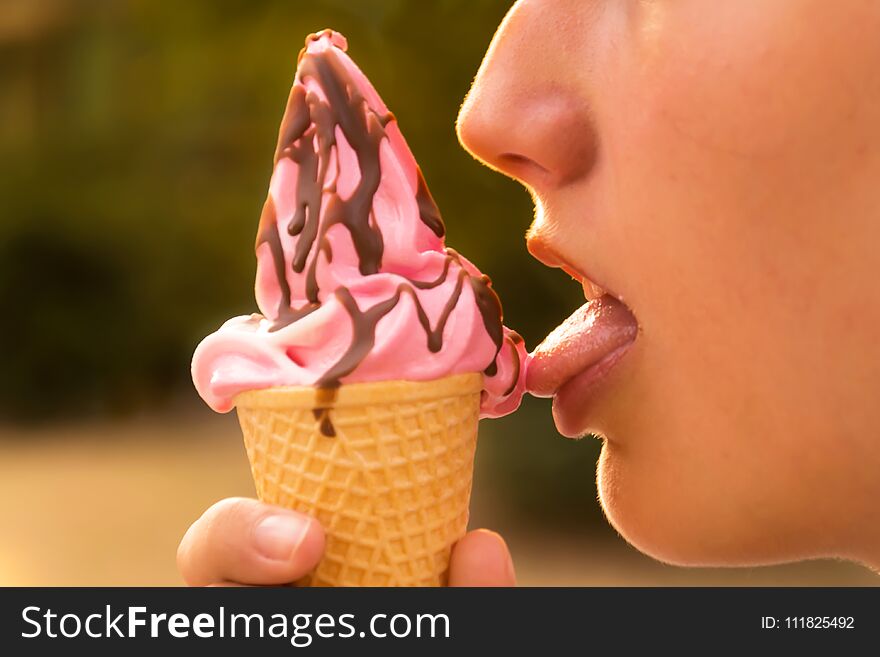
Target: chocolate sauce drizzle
(324, 400)
(307, 136)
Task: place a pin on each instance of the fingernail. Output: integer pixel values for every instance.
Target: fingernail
(277, 537)
(510, 571)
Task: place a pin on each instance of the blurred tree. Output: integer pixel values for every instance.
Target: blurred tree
(137, 142)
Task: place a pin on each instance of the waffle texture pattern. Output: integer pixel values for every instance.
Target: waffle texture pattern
(391, 488)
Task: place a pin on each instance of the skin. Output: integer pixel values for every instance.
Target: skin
(242, 542)
(714, 165)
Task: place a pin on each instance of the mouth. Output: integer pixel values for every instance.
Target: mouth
(576, 357)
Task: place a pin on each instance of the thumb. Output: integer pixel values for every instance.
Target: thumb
(481, 558)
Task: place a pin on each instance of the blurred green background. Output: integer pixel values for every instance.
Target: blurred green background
(136, 141)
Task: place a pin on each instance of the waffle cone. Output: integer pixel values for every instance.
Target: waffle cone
(391, 488)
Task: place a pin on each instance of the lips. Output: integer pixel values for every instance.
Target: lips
(578, 354)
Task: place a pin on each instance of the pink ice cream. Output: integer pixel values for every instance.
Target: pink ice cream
(354, 283)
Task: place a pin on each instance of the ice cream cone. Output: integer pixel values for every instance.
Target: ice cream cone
(392, 486)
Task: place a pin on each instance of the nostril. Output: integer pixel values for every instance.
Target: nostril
(522, 168)
(515, 159)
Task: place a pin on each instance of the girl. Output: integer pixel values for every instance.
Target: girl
(711, 172)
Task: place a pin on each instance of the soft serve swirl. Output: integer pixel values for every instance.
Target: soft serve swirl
(354, 282)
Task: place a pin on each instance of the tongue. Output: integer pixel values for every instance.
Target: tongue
(591, 332)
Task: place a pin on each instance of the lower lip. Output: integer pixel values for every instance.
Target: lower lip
(571, 403)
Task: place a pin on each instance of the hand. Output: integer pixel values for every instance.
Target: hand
(240, 541)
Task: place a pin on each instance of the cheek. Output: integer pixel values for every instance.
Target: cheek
(730, 151)
(728, 147)
(745, 76)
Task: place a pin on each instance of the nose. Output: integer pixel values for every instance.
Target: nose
(526, 114)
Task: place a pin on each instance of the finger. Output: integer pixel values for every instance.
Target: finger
(481, 558)
(231, 585)
(247, 542)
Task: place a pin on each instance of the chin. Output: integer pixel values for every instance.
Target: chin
(658, 511)
(640, 520)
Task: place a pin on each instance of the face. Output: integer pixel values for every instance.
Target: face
(715, 166)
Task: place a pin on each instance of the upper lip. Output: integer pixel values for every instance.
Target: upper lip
(592, 289)
(543, 249)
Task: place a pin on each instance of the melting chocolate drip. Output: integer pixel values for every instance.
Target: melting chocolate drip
(490, 308)
(364, 325)
(295, 121)
(428, 210)
(307, 136)
(364, 130)
(435, 335)
(268, 234)
(325, 398)
(451, 256)
(363, 339)
(514, 338)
